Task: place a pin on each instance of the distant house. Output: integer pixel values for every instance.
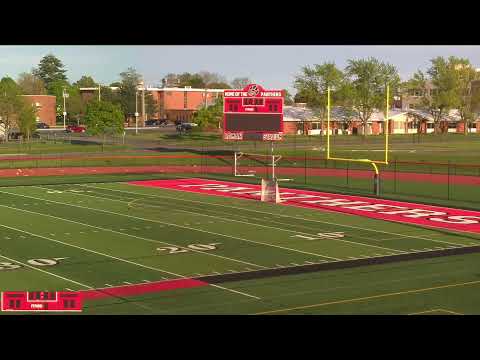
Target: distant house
(302, 120)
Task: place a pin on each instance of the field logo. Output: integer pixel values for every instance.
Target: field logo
(253, 90)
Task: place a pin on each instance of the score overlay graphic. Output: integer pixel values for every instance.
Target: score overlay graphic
(41, 301)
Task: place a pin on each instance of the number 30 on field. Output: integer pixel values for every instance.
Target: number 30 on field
(199, 247)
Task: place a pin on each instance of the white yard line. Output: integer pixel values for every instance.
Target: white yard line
(46, 272)
(170, 224)
(255, 224)
(268, 213)
(130, 235)
(91, 251)
(235, 291)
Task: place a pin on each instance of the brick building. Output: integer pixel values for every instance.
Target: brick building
(179, 104)
(46, 108)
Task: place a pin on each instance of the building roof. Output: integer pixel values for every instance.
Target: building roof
(337, 113)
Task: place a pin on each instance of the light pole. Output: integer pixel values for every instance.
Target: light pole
(65, 95)
(136, 111)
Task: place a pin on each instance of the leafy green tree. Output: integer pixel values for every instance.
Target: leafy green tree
(74, 104)
(31, 84)
(130, 79)
(240, 82)
(464, 73)
(218, 85)
(209, 117)
(312, 85)
(368, 79)
(85, 81)
(288, 98)
(10, 104)
(193, 80)
(27, 119)
(50, 69)
(439, 88)
(104, 118)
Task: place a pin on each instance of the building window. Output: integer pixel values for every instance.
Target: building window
(452, 125)
(430, 125)
(316, 126)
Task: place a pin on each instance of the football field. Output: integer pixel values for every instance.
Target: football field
(147, 250)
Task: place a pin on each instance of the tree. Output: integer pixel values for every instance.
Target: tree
(438, 89)
(193, 80)
(130, 79)
(240, 82)
(86, 81)
(211, 78)
(368, 79)
(288, 98)
(31, 84)
(27, 119)
(209, 117)
(312, 85)
(104, 118)
(50, 69)
(74, 104)
(218, 85)
(10, 103)
(464, 73)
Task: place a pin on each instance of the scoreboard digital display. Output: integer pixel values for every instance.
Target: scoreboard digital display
(253, 114)
(41, 301)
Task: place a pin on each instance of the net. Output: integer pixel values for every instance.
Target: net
(270, 191)
(246, 164)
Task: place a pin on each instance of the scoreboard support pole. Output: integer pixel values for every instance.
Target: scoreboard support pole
(273, 162)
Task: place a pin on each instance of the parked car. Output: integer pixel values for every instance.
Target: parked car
(185, 126)
(42, 125)
(75, 129)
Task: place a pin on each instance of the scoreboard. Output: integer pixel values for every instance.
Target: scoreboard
(41, 301)
(253, 114)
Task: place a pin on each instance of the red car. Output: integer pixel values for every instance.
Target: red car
(75, 129)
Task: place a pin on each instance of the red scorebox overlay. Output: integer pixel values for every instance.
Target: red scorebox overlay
(388, 210)
(41, 301)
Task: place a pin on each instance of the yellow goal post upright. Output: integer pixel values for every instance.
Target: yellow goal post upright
(374, 163)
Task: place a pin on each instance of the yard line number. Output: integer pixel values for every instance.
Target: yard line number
(330, 235)
(200, 247)
(35, 262)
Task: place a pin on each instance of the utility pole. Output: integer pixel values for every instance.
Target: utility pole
(136, 111)
(99, 92)
(65, 95)
(143, 105)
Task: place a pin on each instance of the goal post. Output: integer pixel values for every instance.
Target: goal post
(374, 163)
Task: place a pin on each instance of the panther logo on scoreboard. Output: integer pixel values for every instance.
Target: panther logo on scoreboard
(253, 113)
(253, 90)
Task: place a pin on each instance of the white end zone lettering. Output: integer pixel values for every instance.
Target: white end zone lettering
(459, 219)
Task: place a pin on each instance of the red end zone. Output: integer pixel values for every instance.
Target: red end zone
(388, 210)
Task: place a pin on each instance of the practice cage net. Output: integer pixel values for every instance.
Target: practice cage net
(260, 165)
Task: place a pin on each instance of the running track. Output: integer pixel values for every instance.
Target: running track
(194, 169)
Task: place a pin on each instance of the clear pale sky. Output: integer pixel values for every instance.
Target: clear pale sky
(271, 66)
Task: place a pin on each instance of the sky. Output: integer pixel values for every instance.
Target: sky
(273, 67)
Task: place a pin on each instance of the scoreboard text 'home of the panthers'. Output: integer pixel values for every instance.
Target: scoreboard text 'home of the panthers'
(253, 114)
